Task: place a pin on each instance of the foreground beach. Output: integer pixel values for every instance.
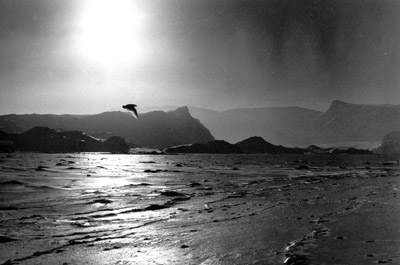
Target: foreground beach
(199, 209)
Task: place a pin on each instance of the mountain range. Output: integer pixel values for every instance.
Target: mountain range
(293, 126)
(257, 145)
(156, 129)
(290, 126)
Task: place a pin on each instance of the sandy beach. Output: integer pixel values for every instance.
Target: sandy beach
(93, 208)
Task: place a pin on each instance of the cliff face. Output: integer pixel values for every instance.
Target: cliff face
(342, 122)
(159, 129)
(43, 139)
(283, 125)
(345, 122)
(155, 129)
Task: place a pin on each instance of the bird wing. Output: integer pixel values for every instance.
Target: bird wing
(131, 108)
(134, 113)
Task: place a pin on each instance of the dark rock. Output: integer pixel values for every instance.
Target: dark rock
(194, 184)
(257, 145)
(4, 239)
(40, 168)
(43, 139)
(171, 193)
(302, 167)
(180, 199)
(6, 146)
(12, 183)
(154, 207)
(152, 170)
(116, 144)
(351, 151)
(104, 201)
(144, 184)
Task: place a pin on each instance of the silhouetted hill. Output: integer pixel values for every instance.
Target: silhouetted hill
(290, 126)
(257, 145)
(390, 144)
(155, 129)
(43, 139)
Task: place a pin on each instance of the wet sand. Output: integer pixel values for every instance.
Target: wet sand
(199, 209)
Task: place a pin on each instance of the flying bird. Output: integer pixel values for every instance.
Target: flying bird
(132, 110)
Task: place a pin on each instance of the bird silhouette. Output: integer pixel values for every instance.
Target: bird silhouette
(132, 109)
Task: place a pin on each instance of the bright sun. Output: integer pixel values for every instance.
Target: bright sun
(109, 31)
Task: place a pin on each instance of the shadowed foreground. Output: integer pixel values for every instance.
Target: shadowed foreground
(198, 209)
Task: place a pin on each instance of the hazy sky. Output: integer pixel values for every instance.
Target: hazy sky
(76, 56)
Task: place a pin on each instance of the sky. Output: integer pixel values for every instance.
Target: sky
(91, 56)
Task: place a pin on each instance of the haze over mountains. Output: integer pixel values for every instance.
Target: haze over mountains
(342, 122)
(278, 125)
(289, 126)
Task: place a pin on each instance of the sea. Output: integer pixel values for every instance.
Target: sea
(71, 208)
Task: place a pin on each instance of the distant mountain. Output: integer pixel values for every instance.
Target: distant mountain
(345, 122)
(43, 139)
(283, 125)
(390, 144)
(257, 145)
(293, 126)
(155, 129)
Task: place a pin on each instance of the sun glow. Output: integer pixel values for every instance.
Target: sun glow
(110, 32)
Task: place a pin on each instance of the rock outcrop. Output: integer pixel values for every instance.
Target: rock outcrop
(351, 151)
(116, 144)
(43, 139)
(257, 145)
